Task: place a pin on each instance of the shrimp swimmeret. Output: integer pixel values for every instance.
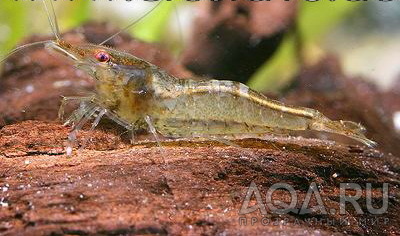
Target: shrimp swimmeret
(138, 95)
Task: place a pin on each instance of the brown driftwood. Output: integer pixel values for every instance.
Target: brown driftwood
(188, 187)
(184, 188)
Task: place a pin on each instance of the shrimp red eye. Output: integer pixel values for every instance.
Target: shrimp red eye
(102, 56)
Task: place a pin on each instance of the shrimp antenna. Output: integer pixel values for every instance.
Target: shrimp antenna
(17, 49)
(52, 19)
(131, 24)
(54, 27)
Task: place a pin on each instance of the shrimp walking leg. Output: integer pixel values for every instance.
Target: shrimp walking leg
(132, 133)
(119, 121)
(96, 122)
(152, 129)
(77, 115)
(85, 115)
(66, 100)
(131, 128)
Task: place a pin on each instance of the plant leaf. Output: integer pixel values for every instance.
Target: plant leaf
(315, 19)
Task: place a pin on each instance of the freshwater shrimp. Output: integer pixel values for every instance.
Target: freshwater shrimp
(138, 95)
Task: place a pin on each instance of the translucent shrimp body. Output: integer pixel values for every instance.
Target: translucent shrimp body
(139, 95)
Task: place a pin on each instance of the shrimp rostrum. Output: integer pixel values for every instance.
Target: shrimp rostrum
(139, 95)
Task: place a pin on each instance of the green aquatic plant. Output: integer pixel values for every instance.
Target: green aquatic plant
(314, 21)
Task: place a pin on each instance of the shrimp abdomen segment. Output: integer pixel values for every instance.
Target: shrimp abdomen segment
(189, 107)
(222, 107)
